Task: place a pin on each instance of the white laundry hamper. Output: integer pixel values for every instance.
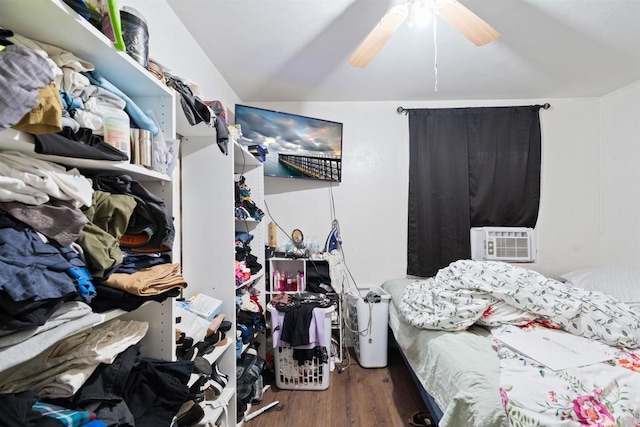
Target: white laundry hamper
(368, 315)
(313, 374)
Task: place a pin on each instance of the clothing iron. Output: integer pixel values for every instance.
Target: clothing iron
(333, 240)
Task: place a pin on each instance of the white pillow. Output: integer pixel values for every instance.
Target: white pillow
(620, 282)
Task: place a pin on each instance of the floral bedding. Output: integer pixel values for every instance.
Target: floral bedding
(496, 294)
(603, 394)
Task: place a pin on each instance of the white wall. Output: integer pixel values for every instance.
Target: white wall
(371, 201)
(620, 177)
(588, 202)
(171, 45)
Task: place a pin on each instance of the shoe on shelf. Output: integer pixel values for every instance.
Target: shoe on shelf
(209, 391)
(217, 385)
(219, 378)
(196, 391)
(184, 347)
(222, 341)
(201, 366)
(215, 369)
(207, 345)
(211, 394)
(225, 326)
(189, 414)
(215, 324)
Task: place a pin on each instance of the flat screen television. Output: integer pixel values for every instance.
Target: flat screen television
(296, 146)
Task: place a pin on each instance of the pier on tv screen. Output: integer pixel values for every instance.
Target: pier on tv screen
(296, 146)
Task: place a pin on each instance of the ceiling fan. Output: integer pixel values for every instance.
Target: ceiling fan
(452, 12)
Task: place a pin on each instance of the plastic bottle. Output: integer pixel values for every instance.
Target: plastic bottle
(315, 248)
(276, 281)
(288, 276)
(116, 131)
(301, 281)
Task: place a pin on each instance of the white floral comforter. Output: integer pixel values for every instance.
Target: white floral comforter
(604, 394)
(494, 293)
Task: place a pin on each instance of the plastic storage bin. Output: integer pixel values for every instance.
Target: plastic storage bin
(312, 374)
(368, 313)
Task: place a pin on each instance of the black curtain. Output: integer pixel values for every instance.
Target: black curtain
(468, 167)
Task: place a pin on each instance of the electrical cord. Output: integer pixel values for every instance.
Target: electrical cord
(276, 223)
(346, 317)
(344, 320)
(332, 203)
(366, 331)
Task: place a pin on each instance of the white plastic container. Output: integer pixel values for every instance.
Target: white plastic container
(371, 319)
(116, 131)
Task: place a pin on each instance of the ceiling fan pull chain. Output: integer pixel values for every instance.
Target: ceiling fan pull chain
(435, 49)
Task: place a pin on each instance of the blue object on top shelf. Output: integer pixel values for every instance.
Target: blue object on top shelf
(259, 152)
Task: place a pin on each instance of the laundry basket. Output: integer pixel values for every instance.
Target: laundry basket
(368, 312)
(313, 374)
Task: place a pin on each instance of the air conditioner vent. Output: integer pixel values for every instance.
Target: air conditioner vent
(515, 244)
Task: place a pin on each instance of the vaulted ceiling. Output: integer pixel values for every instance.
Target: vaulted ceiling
(298, 50)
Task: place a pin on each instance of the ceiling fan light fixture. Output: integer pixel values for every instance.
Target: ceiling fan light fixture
(388, 25)
(466, 22)
(421, 13)
(452, 12)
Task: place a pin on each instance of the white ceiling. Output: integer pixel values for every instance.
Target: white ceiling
(297, 50)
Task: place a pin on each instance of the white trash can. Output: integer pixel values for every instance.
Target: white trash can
(368, 314)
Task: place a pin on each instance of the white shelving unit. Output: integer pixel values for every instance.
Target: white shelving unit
(207, 238)
(54, 23)
(208, 231)
(247, 165)
(199, 195)
(304, 265)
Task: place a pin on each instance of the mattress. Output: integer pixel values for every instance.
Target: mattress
(460, 370)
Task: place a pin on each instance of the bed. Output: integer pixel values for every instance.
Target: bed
(469, 377)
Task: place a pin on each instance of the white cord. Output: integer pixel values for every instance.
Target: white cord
(220, 403)
(435, 49)
(226, 415)
(367, 330)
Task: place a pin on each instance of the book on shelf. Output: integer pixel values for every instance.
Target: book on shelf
(203, 305)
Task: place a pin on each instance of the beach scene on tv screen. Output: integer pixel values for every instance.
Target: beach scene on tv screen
(296, 146)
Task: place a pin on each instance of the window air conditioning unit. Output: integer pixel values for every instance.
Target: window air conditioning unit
(511, 244)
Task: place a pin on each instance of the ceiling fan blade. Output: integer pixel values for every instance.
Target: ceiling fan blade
(467, 23)
(383, 30)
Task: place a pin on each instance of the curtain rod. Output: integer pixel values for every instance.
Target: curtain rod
(401, 109)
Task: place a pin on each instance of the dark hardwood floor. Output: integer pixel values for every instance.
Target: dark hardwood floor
(365, 397)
